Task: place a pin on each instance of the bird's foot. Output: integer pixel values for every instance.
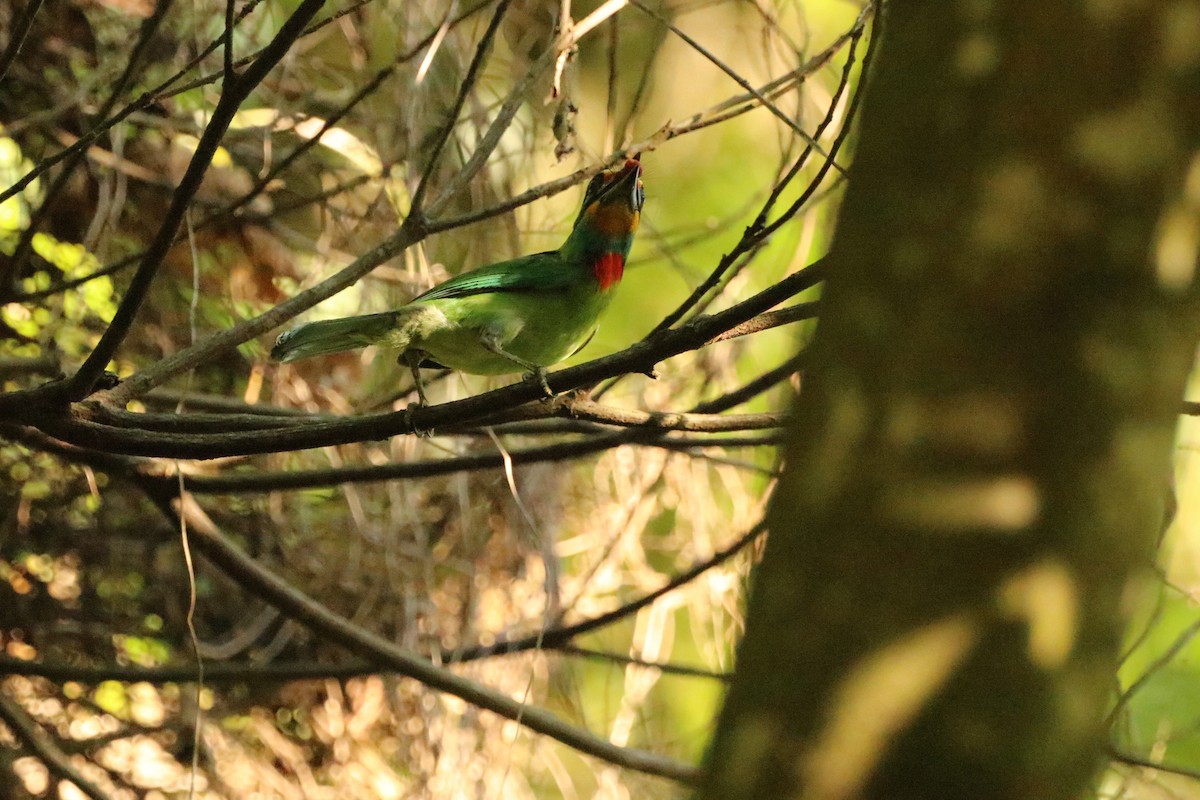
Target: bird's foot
(539, 375)
(423, 433)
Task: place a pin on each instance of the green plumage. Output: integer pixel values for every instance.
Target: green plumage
(524, 314)
(332, 336)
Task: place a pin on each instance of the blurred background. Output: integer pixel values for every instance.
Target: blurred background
(318, 168)
(93, 576)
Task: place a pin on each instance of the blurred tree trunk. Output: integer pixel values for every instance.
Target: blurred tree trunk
(980, 454)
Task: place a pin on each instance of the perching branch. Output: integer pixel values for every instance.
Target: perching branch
(640, 357)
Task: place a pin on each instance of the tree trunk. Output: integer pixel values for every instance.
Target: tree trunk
(980, 454)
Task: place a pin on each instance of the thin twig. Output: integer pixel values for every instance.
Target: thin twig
(753, 388)
(671, 421)
(853, 36)
(262, 183)
(491, 138)
(408, 234)
(666, 669)
(1185, 637)
(42, 746)
(757, 233)
(235, 91)
(464, 90)
(280, 593)
(1140, 761)
(12, 269)
(558, 636)
(16, 35)
(742, 82)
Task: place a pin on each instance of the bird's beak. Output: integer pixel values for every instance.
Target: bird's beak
(627, 188)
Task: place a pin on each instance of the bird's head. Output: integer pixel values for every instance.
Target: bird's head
(603, 232)
(612, 203)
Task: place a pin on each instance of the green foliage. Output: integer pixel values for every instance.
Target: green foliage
(111, 697)
(144, 651)
(14, 212)
(65, 323)
(1162, 717)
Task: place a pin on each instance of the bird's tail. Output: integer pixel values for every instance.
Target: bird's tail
(333, 336)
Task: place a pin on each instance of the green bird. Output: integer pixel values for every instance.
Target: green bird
(524, 314)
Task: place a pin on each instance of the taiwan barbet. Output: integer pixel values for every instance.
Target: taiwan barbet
(520, 315)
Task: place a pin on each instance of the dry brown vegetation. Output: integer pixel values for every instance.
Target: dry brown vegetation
(387, 146)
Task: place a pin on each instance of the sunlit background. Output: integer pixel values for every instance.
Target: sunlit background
(94, 579)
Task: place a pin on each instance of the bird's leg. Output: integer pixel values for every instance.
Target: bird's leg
(412, 359)
(537, 372)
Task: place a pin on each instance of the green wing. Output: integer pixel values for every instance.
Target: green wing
(541, 272)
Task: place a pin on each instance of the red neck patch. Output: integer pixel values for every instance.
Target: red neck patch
(609, 268)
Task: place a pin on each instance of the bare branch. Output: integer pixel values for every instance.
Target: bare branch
(10, 270)
(556, 636)
(214, 672)
(40, 744)
(771, 319)
(671, 421)
(762, 383)
(666, 669)
(235, 91)
(464, 89)
(1147, 763)
(278, 592)
(742, 82)
(16, 35)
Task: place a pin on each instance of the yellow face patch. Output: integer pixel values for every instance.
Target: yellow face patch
(613, 219)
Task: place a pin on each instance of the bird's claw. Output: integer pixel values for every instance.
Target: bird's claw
(408, 420)
(539, 375)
